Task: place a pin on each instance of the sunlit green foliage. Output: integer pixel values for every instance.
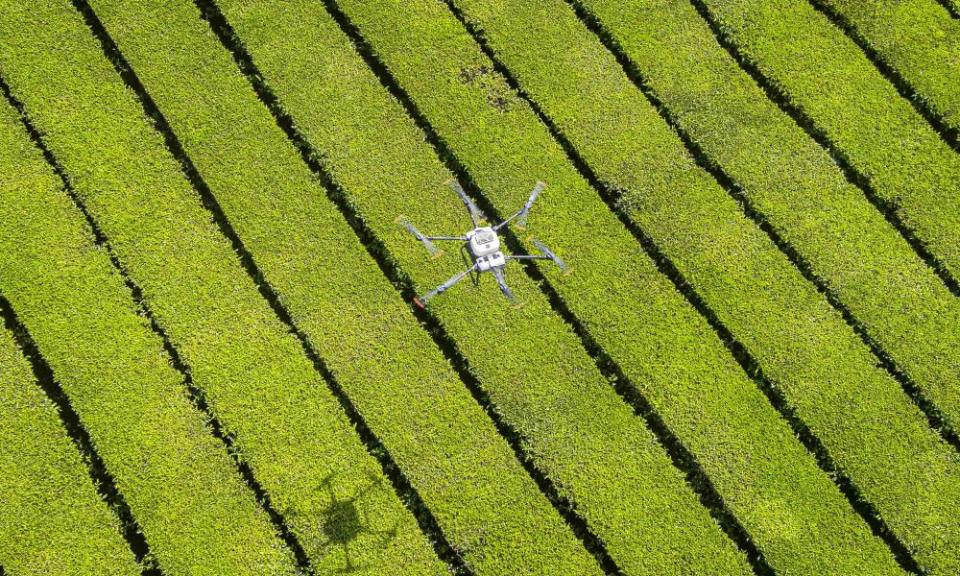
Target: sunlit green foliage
(800, 342)
(527, 360)
(524, 364)
(197, 515)
(798, 191)
(829, 78)
(628, 306)
(919, 40)
(390, 368)
(54, 523)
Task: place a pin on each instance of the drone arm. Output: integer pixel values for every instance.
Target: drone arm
(545, 254)
(502, 282)
(507, 221)
(426, 240)
(463, 238)
(528, 257)
(421, 300)
(521, 215)
(475, 214)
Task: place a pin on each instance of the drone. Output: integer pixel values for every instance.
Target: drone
(483, 245)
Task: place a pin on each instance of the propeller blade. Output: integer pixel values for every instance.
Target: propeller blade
(542, 248)
(522, 217)
(420, 301)
(430, 246)
(475, 214)
(502, 282)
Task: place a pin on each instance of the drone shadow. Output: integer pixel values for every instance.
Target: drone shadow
(344, 522)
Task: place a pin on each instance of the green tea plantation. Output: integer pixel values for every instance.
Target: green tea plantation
(480, 287)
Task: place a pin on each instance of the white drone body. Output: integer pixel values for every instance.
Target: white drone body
(483, 243)
(485, 248)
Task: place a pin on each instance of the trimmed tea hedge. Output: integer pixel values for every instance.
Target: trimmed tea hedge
(401, 384)
(827, 78)
(799, 341)
(506, 149)
(54, 523)
(178, 480)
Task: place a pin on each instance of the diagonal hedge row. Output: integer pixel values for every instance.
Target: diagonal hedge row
(195, 512)
(830, 84)
(254, 375)
(618, 294)
(402, 385)
(54, 523)
(741, 275)
(919, 41)
(537, 376)
(287, 425)
(796, 190)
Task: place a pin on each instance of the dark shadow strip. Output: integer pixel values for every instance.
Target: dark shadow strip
(372, 443)
(195, 394)
(934, 416)
(866, 509)
(679, 454)
(854, 176)
(740, 352)
(103, 480)
(950, 8)
(946, 132)
(403, 283)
